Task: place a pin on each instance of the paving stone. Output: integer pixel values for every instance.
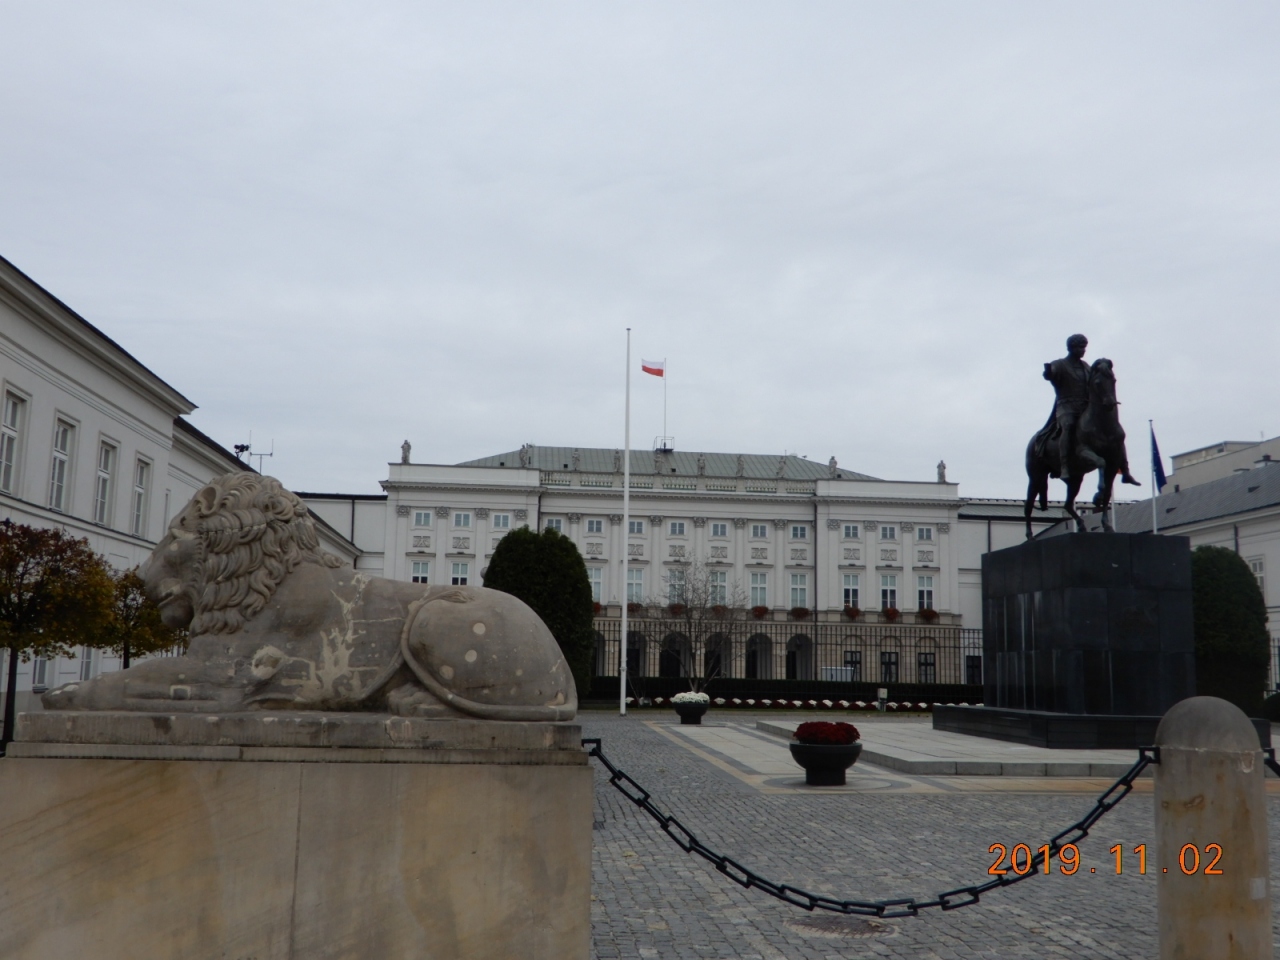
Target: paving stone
(653, 900)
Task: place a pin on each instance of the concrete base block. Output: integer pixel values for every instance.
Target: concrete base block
(461, 839)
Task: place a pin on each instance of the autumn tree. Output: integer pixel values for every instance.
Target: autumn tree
(707, 613)
(136, 628)
(55, 594)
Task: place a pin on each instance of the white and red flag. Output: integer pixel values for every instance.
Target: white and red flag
(656, 367)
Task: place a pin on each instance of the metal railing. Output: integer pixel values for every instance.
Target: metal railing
(792, 650)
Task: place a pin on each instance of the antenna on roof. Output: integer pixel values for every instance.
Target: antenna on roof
(245, 451)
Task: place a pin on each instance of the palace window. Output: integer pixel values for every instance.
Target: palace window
(719, 529)
(676, 528)
(86, 663)
(759, 531)
(888, 591)
(39, 671)
(924, 594)
(595, 526)
(888, 533)
(63, 434)
(421, 571)
(462, 520)
(888, 666)
(973, 669)
(556, 524)
(853, 665)
(141, 493)
(799, 532)
(501, 521)
(422, 518)
(759, 589)
(926, 668)
(1258, 567)
(850, 589)
(594, 578)
(460, 574)
(851, 531)
(635, 586)
(102, 485)
(718, 586)
(635, 526)
(675, 585)
(10, 434)
(800, 590)
(924, 533)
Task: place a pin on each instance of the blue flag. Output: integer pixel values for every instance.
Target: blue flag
(1157, 465)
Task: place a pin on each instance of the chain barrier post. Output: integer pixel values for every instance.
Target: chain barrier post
(1212, 865)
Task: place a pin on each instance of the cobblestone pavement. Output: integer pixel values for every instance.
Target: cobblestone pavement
(652, 900)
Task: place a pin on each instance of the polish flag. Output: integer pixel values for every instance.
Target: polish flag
(656, 367)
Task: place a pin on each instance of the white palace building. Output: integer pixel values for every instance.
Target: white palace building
(801, 543)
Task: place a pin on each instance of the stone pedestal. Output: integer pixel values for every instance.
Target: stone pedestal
(302, 836)
(1087, 640)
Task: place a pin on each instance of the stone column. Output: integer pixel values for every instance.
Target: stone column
(1212, 870)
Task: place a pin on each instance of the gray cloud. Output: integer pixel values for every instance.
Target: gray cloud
(851, 229)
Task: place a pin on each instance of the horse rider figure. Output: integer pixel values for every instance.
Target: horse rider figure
(1070, 379)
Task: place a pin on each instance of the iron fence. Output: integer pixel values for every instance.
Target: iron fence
(792, 650)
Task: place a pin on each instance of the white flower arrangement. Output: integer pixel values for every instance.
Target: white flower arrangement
(689, 697)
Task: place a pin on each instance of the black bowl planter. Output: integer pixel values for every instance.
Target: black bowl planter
(691, 712)
(825, 763)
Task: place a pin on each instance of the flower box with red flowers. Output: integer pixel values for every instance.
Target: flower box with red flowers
(826, 751)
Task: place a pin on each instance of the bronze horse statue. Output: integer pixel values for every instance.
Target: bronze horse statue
(1099, 445)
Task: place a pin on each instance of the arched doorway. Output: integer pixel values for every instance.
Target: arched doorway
(674, 660)
(758, 663)
(800, 658)
(717, 655)
(637, 654)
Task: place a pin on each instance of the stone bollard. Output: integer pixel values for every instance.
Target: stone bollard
(1211, 835)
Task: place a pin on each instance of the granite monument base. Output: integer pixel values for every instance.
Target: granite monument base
(1067, 731)
(293, 837)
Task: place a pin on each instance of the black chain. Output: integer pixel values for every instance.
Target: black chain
(905, 907)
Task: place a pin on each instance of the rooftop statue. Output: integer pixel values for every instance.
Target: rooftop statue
(277, 623)
(1083, 433)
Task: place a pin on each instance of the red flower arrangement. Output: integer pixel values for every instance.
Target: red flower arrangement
(634, 608)
(799, 613)
(890, 614)
(596, 608)
(676, 609)
(719, 611)
(852, 612)
(760, 612)
(928, 615)
(826, 733)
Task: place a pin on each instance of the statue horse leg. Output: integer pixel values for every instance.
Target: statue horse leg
(1073, 488)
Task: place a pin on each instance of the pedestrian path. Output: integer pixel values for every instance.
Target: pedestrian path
(913, 746)
(763, 761)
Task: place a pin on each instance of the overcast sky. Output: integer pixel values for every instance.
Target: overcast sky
(852, 229)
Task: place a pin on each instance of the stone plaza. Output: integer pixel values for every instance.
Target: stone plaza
(888, 834)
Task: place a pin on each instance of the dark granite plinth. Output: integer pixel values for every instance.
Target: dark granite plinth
(1097, 624)
(1061, 730)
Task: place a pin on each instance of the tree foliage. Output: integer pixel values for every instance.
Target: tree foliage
(547, 572)
(136, 628)
(55, 594)
(1232, 644)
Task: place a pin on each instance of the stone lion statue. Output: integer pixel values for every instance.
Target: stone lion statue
(277, 623)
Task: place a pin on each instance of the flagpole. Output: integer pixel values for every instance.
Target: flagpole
(626, 535)
(664, 401)
(1155, 491)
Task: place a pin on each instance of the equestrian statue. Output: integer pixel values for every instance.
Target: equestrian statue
(1083, 433)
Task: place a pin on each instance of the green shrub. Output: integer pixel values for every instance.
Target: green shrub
(1232, 644)
(546, 571)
